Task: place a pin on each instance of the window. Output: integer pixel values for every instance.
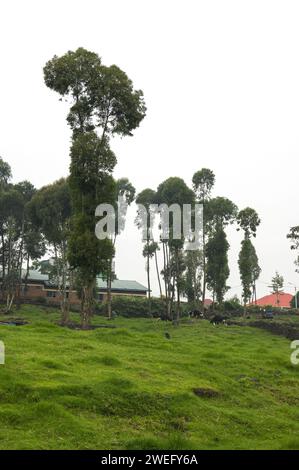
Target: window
(101, 297)
(51, 293)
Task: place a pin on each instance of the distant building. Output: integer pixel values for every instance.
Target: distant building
(282, 300)
(208, 303)
(38, 287)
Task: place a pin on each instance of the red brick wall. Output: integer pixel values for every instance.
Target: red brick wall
(39, 291)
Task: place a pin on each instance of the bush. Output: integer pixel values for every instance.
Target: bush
(233, 305)
(137, 307)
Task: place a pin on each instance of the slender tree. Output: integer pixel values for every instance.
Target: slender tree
(193, 276)
(146, 198)
(293, 236)
(220, 212)
(11, 211)
(277, 284)
(174, 191)
(248, 221)
(203, 183)
(125, 192)
(103, 104)
(50, 210)
(217, 264)
(5, 174)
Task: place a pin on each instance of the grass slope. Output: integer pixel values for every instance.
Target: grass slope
(131, 388)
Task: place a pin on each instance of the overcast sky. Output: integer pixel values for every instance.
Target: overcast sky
(221, 84)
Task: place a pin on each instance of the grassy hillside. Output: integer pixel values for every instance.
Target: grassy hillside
(131, 388)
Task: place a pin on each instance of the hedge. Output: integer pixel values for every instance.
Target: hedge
(134, 307)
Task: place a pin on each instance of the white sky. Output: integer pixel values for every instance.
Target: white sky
(221, 84)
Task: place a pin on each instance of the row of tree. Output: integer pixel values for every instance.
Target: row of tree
(61, 217)
(191, 272)
(21, 240)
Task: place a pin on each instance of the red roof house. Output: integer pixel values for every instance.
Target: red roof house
(282, 300)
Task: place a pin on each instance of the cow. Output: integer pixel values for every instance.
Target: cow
(196, 314)
(218, 320)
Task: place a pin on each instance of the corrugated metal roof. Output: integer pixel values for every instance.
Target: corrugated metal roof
(117, 284)
(124, 285)
(35, 275)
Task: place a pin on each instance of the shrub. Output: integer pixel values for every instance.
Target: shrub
(232, 305)
(137, 307)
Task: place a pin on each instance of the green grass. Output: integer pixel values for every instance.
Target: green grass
(131, 388)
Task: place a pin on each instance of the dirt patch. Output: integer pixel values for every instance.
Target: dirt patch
(206, 393)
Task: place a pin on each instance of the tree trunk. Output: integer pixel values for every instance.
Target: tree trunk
(158, 274)
(213, 304)
(27, 274)
(149, 285)
(62, 282)
(87, 305)
(165, 282)
(65, 312)
(178, 306)
(109, 284)
(20, 265)
(245, 308)
(204, 281)
(3, 264)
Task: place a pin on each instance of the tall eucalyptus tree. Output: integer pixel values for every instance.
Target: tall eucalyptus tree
(103, 104)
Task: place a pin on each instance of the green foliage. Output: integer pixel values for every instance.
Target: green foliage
(193, 274)
(20, 238)
(203, 183)
(50, 210)
(84, 253)
(137, 307)
(217, 264)
(249, 268)
(125, 188)
(5, 173)
(248, 220)
(146, 197)
(174, 191)
(293, 302)
(100, 96)
(91, 163)
(277, 283)
(220, 212)
(130, 306)
(293, 236)
(232, 305)
(102, 100)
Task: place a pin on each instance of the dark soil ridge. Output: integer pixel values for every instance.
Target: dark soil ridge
(77, 326)
(289, 331)
(206, 393)
(13, 322)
